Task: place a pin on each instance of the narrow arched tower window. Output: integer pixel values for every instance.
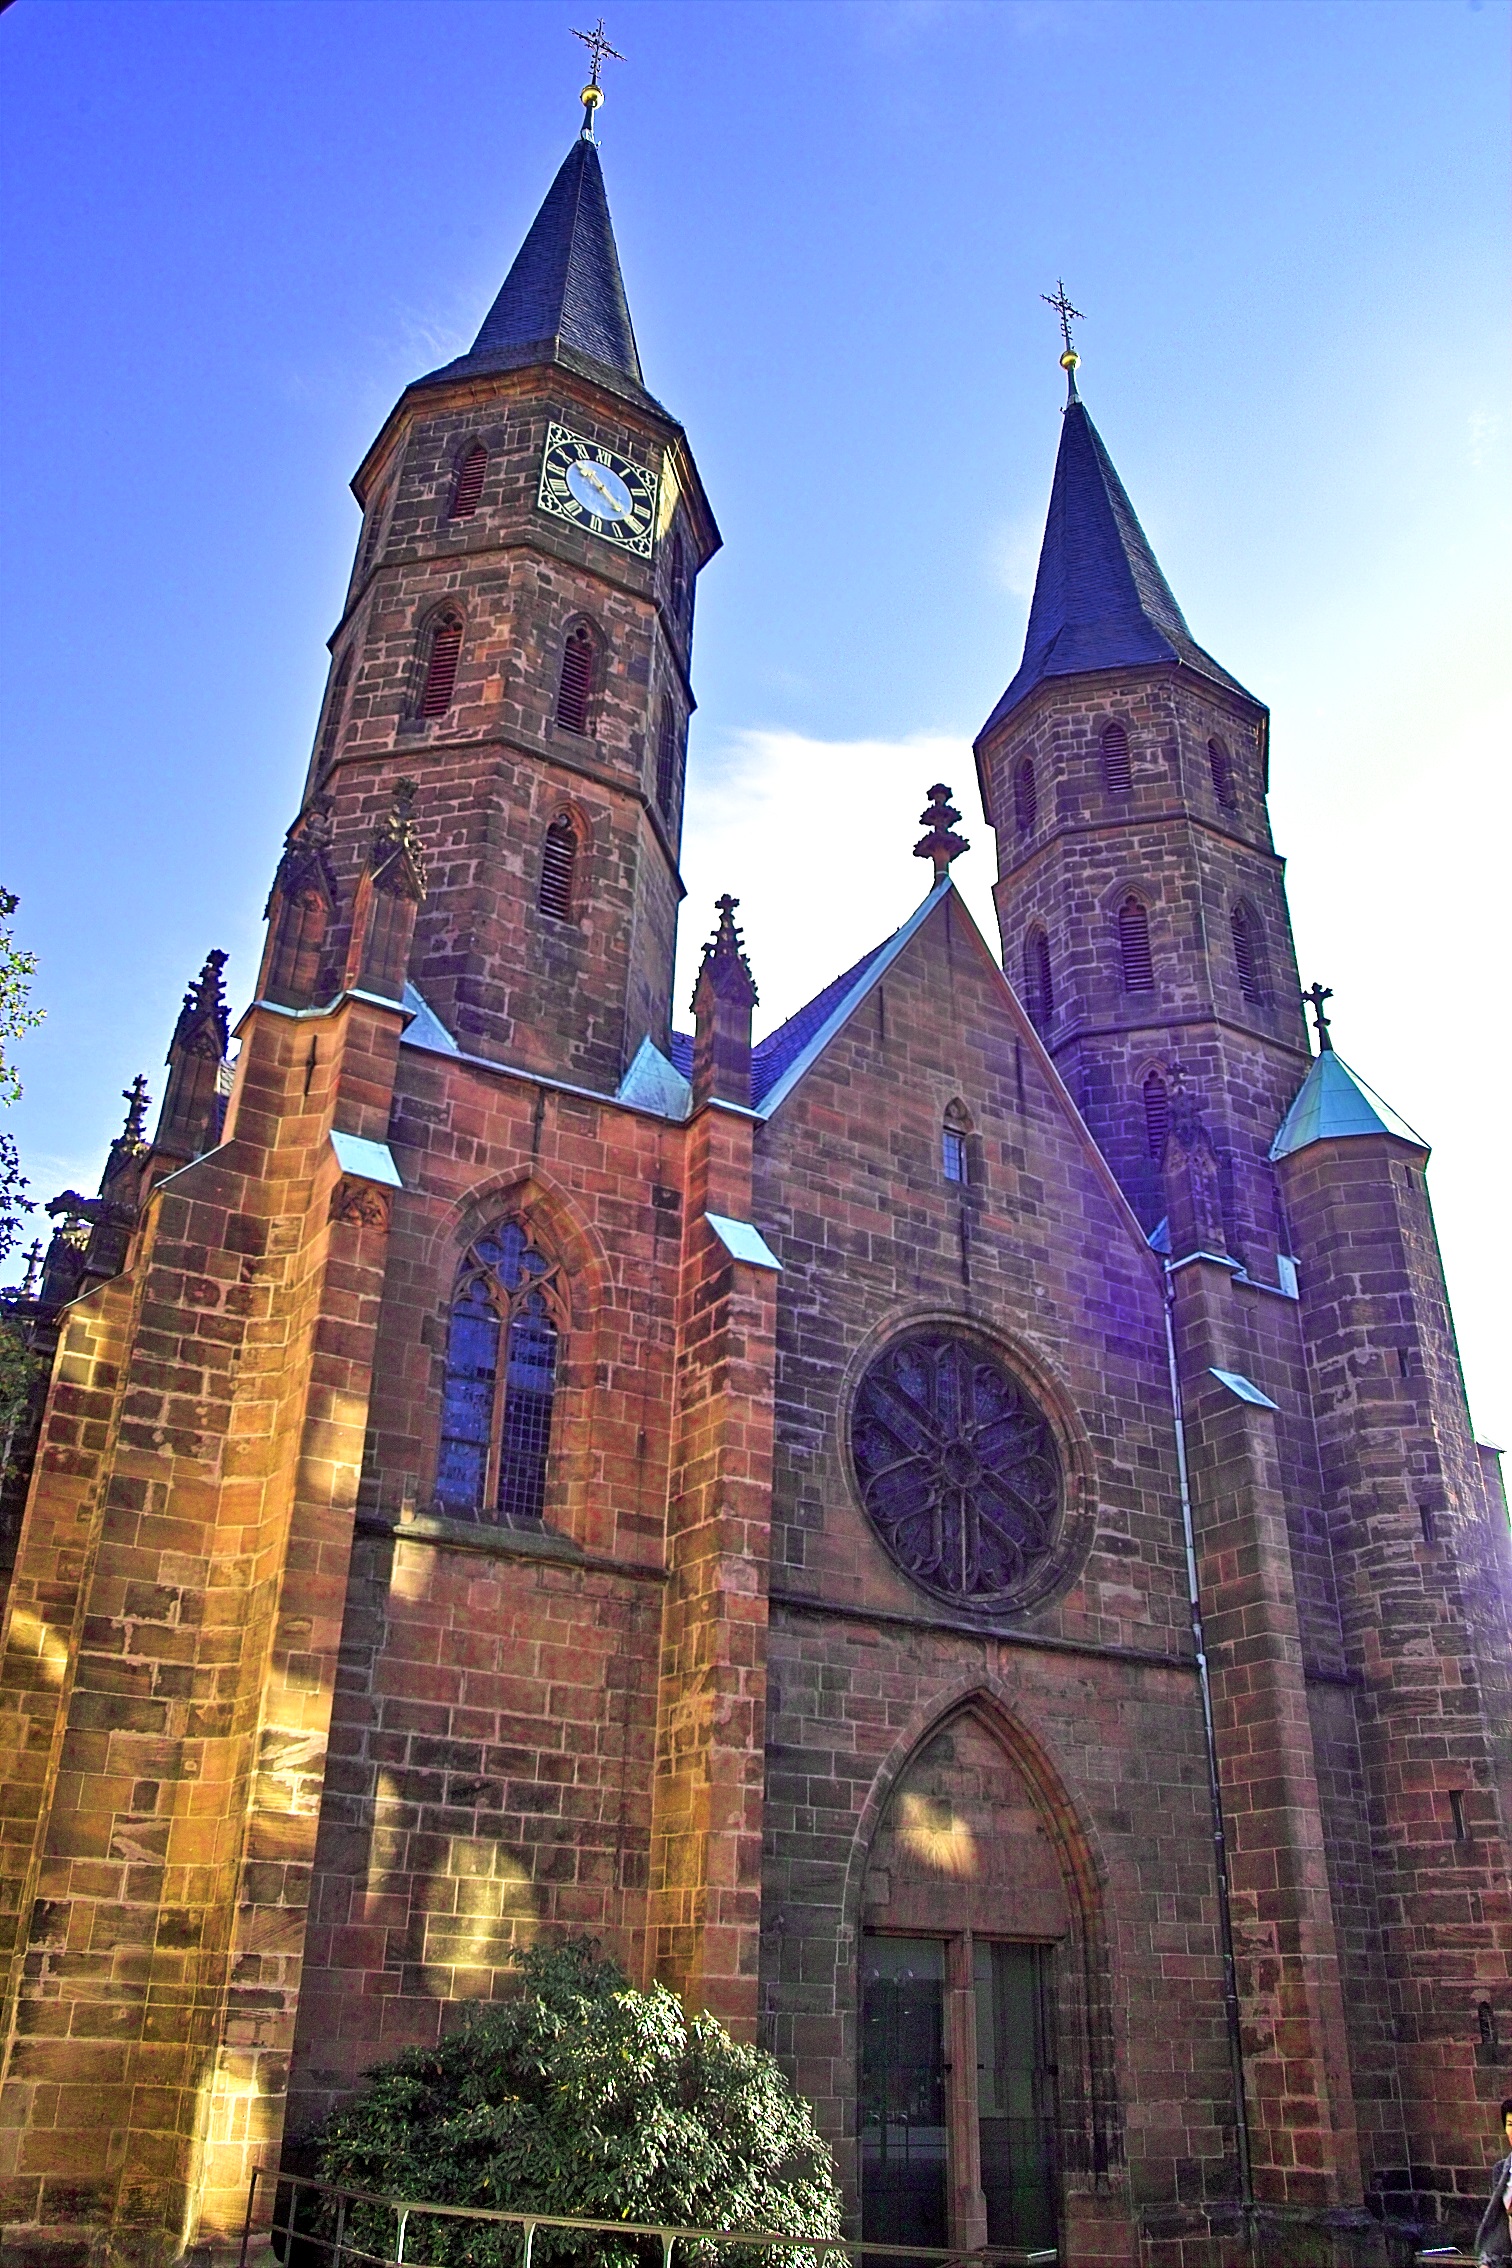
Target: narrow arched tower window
(372, 532)
(1157, 1112)
(954, 1137)
(1221, 765)
(330, 724)
(501, 1363)
(1134, 946)
(677, 580)
(468, 486)
(1117, 777)
(441, 666)
(575, 685)
(1025, 796)
(666, 761)
(1039, 988)
(1249, 958)
(559, 869)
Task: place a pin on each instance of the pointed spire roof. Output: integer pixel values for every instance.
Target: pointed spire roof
(1334, 1102)
(564, 298)
(1100, 599)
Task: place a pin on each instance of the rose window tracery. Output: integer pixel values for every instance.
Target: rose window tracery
(957, 1467)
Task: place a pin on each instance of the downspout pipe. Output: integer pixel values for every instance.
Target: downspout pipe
(1215, 1791)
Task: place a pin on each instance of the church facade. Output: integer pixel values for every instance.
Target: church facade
(951, 1536)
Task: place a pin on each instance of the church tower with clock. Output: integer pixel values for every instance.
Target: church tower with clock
(948, 1535)
(517, 636)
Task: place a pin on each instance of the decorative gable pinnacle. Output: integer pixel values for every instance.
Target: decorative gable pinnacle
(306, 861)
(396, 859)
(940, 816)
(204, 1025)
(724, 963)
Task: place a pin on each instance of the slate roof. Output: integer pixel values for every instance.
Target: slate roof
(1335, 1102)
(1100, 599)
(564, 298)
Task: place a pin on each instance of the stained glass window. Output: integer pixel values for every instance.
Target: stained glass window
(957, 1467)
(496, 1414)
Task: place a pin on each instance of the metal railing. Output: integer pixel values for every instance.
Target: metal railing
(342, 2252)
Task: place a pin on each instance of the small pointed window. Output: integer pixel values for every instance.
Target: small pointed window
(1117, 777)
(441, 666)
(559, 868)
(677, 579)
(1157, 1112)
(496, 1413)
(468, 487)
(1134, 946)
(372, 532)
(575, 686)
(1221, 765)
(1025, 797)
(1039, 989)
(1248, 954)
(330, 727)
(666, 761)
(954, 1136)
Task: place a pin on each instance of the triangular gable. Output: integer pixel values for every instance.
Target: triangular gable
(876, 967)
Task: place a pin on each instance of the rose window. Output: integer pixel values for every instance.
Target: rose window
(957, 1467)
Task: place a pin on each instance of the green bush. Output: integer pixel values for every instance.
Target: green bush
(584, 2097)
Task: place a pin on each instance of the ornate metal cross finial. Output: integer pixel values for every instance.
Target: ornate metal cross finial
(1070, 361)
(1314, 996)
(593, 94)
(939, 816)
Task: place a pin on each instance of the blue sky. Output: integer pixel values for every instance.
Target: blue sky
(231, 232)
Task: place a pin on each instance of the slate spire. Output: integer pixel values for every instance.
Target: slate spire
(564, 298)
(1100, 599)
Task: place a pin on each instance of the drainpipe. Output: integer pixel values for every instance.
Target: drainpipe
(1215, 1792)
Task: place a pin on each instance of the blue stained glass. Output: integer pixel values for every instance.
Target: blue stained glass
(472, 1361)
(528, 1387)
(494, 1294)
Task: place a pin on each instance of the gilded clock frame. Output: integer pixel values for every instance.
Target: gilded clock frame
(640, 542)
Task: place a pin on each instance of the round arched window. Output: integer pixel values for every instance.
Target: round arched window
(958, 1468)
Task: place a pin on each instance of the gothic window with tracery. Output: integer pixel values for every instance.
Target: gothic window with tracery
(575, 685)
(501, 1360)
(957, 1467)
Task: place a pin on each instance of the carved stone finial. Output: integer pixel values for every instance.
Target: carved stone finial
(204, 1024)
(33, 1277)
(1314, 997)
(724, 961)
(396, 860)
(136, 1099)
(306, 860)
(940, 816)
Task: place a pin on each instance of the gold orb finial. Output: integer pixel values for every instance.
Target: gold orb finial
(1070, 360)
(591, 97)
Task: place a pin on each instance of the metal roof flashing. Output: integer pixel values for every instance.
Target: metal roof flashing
(1334, 1104)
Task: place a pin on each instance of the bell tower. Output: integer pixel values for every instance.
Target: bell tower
(516, 640)
(1140, 897)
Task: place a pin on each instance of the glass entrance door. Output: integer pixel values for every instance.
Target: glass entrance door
(903, 2140)
(1014, 2095)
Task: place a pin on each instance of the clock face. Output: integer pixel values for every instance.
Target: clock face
(597, 489)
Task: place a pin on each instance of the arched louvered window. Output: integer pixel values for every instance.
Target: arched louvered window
(1221, 765)
(1039, 989)
(559, 868)
(1117, 777)
(330, 723)
(441, 666)
(372, 532)
(666, 760)
(1157, 1111)
(1134, 946)
(468, 487)
(1249, 956)
(1025, 796)
(677, 578)
(954, 1137)
(501, 1361)
(575, 686)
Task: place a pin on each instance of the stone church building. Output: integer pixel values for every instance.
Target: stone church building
(951, 1536)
